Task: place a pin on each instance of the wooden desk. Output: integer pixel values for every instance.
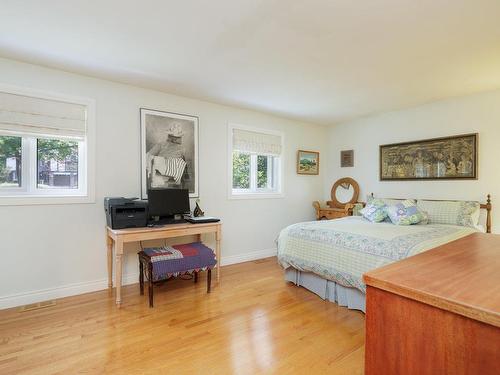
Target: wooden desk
(118, 237)
(437, 312)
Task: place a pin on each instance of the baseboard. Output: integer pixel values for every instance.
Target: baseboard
(21, 299)
(246, 257)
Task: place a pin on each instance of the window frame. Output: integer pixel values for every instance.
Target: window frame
(277, 168)
(29, 193)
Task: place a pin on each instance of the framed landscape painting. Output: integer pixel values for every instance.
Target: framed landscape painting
(307, 162)
(444, 158)
(169, 151)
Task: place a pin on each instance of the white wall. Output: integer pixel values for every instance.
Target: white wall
(56, 250)
(475, 113)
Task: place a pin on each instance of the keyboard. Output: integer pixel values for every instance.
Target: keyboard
(201, 219)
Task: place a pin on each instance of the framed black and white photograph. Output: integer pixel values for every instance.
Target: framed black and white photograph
(169, 151)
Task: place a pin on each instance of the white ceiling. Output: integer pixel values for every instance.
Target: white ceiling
(322, 61)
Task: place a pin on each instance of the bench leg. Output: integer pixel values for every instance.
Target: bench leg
(141, 277)
(209, 280)
(195, 276)
(150, 277)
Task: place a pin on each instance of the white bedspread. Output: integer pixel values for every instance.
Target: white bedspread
(342, 250)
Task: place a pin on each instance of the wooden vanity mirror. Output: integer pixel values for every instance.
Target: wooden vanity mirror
(344, 194)
(344, 191)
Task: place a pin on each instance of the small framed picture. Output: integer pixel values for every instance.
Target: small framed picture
(347, 158)
(307, 162)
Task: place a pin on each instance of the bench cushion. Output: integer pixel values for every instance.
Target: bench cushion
(179, 259)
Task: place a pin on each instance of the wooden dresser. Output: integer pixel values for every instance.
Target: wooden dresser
(329, 213)
(437, 312)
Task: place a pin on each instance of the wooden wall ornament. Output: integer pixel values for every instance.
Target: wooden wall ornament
(346, 158)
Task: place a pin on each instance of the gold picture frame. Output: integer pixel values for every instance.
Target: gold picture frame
(445, 158)
(307, 162)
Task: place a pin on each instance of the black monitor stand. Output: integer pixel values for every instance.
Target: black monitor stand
(164, 220)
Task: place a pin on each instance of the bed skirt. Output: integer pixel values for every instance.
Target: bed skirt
(352, 298)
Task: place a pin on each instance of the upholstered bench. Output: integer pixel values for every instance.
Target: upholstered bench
(162, 263)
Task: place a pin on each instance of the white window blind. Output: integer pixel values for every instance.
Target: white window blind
(258, 143)
(30, 115)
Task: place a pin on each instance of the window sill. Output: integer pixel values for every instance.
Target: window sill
(255, 196)
(26, 200)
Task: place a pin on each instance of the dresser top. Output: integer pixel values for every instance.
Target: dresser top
(462, 276)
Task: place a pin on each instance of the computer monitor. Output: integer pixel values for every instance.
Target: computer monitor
(165, 203)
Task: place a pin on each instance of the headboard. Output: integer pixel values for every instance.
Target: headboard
(485, 206)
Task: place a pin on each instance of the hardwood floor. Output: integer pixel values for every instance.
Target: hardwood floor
(253, 323)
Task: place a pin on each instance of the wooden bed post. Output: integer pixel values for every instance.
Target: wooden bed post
(487, 207)
(488, 213)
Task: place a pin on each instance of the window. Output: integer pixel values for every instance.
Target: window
(43, 149)
(57, 162)
(10, 162)
(255, 162)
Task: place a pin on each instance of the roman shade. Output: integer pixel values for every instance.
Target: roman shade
(255, 142)
(30, 115)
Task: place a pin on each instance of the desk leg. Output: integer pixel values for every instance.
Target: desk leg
(217, 252)
(118, 272)
(109, 242)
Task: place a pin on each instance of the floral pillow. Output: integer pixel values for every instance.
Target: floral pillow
(406, 213)
(374, 211)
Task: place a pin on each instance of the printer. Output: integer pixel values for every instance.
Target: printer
(125, 212)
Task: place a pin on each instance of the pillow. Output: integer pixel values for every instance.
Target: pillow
(374, 211)
(424, 221)
(463, 213)
(387, 201)
(406, 213)
(356, 211)
(425, 217)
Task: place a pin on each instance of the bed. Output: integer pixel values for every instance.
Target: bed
(329, 257)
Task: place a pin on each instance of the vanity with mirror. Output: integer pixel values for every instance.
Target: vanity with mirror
(344, 194)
